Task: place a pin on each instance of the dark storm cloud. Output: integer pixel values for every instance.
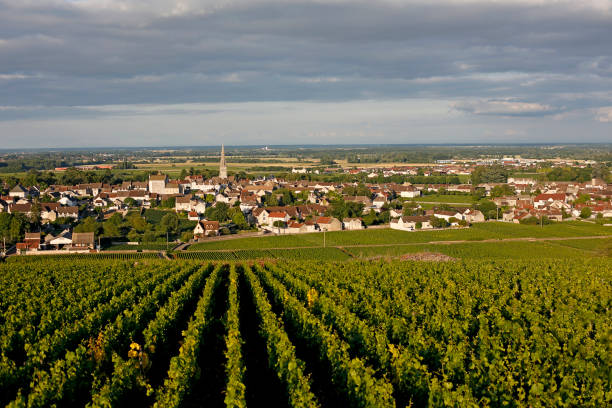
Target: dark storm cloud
(515, 58)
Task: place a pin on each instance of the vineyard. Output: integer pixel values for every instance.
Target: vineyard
(104, 333)
(477, 232)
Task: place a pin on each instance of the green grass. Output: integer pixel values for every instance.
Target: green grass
(469, 250)
(478, 232)
(479, 250)
(106, 256)
(596, 245)
(322, 254)
(467, 199)
(153, 246)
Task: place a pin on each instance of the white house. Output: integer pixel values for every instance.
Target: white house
(447, 215)
(409, 223)
(18, 191)
(408, 192)
(352, 223)
(206, 228)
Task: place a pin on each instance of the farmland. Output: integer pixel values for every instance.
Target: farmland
(478, 232)
(103, 332)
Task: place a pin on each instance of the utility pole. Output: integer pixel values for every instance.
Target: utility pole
(166, 240)
(324, 229)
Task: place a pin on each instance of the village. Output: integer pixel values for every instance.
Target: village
(73, 218)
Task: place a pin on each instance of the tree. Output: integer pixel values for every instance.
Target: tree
(137, 222)
(89, 224)
(130, 202)
(271, 200)
(35, 213)
(489, 174)
(111, 229)
(149, 236)
(5, 225)
(183, 174)
(16, 229)
(218, 213)
(503, 190)
(601, 171)
(582, 199)
(115, 219)
(169, 223)
(438, 222)
(586, 212)
(133, 236)
(169, 203)
(487, 207)
(239, 220)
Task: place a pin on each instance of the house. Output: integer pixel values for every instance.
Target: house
(62, 240)
(329, 224)
(352, 223)
(407, 191)
(67, 201)
(280, 216)
(409, 223)
(471, 215)
(261, 215)
(184, 203)
(447, 215)
(31, 242)
(378, 202)
(294, 227)
(83, 240)
(542, 200)
(206, 229)
(366, 201)
(193, 216)
(200, 207)
(508, 216)
(48, 211)
(395, 213)
(157, 183)
(68, 212)
(18, 191)
(20, 208)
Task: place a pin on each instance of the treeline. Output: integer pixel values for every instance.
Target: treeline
(72, 176)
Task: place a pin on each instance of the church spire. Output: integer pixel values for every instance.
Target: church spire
(222, 166)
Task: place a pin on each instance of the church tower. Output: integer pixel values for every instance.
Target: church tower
(222, 166)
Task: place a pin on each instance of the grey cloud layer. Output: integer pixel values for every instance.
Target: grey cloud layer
(515, 58)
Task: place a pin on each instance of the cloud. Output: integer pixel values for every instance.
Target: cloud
(604, 115)
(504, 108)
(510, 59)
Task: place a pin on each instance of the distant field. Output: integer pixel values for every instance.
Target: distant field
(478, 232)
(470, 250)
(321, 254)
(150, 246)
(479, 250)
(446, 198)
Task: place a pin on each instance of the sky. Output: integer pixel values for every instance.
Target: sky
(85, 73)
